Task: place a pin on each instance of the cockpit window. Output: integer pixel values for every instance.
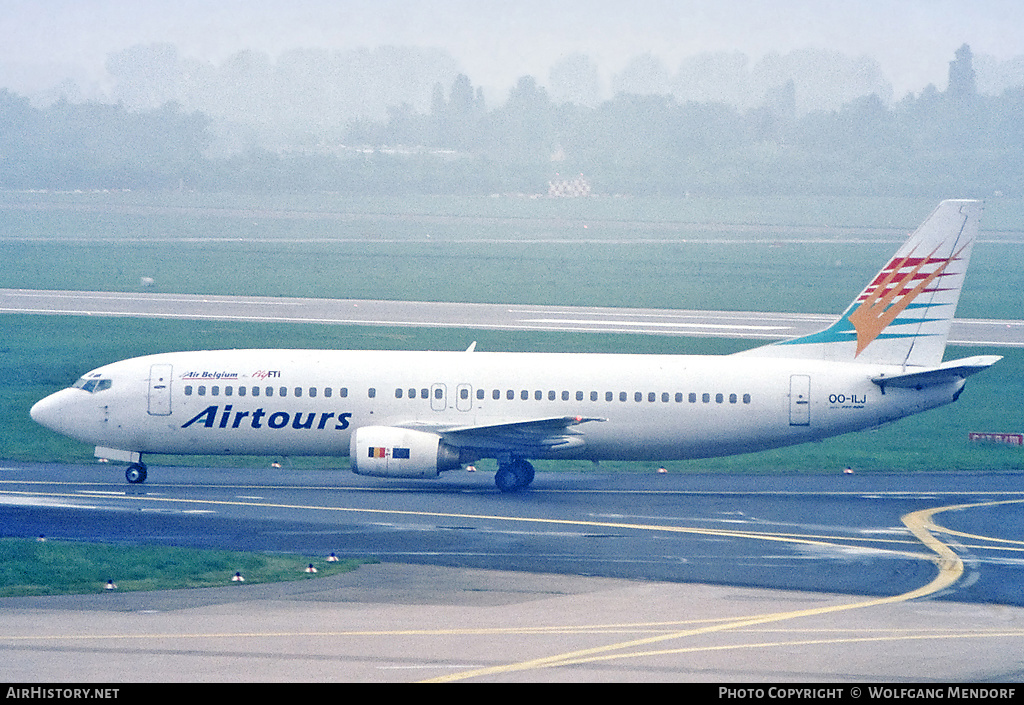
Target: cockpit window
(93, 385)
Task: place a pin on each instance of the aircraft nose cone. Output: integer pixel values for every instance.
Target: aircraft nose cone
(48, 412)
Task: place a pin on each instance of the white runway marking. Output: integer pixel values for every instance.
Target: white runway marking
(737, 327)
(753, 325)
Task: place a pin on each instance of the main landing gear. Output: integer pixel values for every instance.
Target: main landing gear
(136, 473)
(513, 475)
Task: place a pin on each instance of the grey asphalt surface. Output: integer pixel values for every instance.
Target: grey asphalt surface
(587, 577)
(409, 623)
(731, 324)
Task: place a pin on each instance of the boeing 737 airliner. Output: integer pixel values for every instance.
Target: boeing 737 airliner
(417, 414)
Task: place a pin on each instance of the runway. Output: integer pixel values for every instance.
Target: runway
(586, 577)
(730, 324)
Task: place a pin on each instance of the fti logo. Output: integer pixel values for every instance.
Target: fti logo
(893, 290)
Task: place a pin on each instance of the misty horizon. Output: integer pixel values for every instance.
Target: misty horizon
(63, 49)
(657, 97)
(143, 77)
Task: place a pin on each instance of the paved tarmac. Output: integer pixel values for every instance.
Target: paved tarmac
(587, 577)
(755, 325)
(406, 623)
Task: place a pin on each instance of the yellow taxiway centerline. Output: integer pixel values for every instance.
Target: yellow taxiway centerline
(920, 523)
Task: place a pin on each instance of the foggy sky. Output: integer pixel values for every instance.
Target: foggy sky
(495, 42)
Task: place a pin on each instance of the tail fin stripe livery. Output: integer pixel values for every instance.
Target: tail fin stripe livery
(893, 269)
(881, 307)
(902, 316)
(906, 280)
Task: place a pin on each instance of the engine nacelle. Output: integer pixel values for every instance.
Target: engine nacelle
(385, 451)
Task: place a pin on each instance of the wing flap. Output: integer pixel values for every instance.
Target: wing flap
(526, 437)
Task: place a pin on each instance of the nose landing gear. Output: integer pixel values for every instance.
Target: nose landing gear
(135, 473)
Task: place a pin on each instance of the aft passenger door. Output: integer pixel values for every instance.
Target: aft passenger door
(799, 400)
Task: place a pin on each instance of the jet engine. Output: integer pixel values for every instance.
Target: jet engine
(385, 451)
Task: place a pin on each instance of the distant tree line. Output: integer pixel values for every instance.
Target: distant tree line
(955, 142)
(93, 145)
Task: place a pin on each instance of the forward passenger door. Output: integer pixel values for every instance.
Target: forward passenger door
(160, 390)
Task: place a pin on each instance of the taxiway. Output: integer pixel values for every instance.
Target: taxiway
(586, 577)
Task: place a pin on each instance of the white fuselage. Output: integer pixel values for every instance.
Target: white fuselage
(644, 407)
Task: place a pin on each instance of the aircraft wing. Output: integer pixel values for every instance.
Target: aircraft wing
(527, 437)
(946, 372)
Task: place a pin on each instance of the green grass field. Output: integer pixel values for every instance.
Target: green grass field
(694, 253)
(31, 567)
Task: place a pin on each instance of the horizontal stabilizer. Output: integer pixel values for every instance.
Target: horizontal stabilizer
(944, 373)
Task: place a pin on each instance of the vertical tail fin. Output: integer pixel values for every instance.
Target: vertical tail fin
(902, 316)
